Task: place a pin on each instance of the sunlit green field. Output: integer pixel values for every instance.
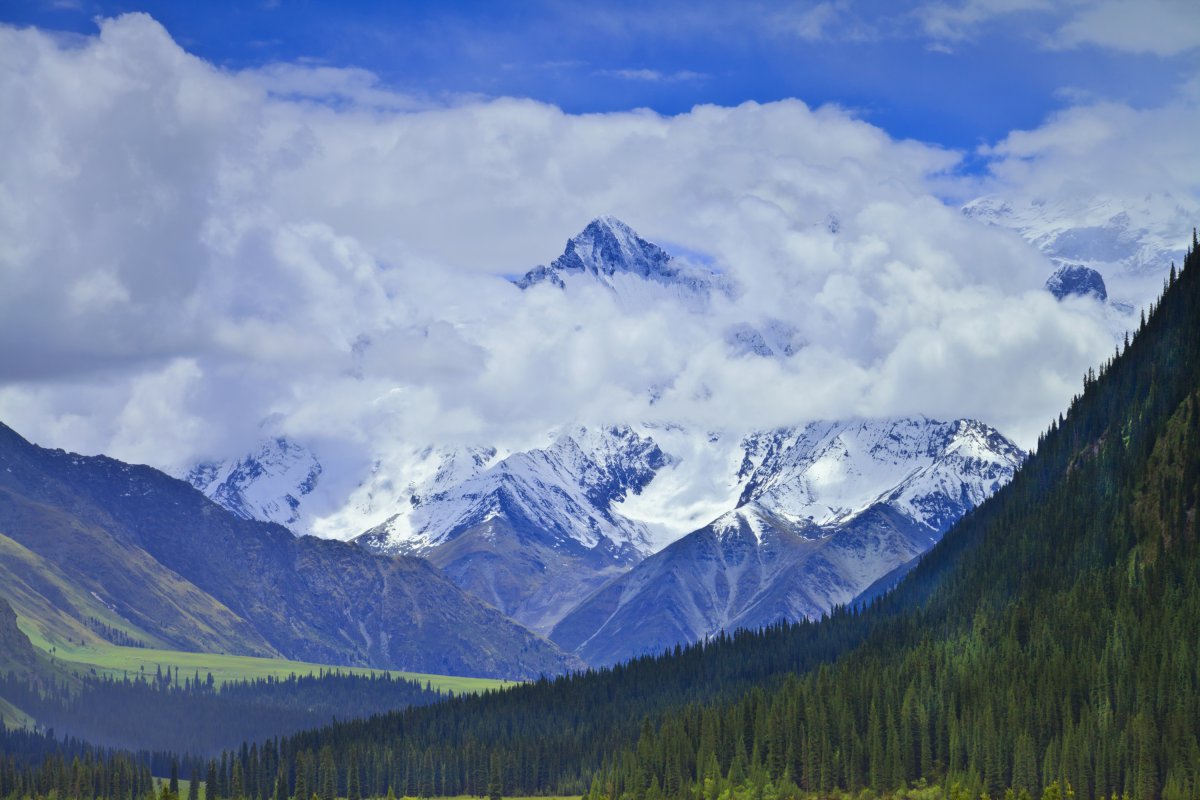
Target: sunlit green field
(109, 659)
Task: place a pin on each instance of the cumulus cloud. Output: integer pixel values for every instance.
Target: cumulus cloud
(192, 258)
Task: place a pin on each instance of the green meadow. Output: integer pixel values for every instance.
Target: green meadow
(102, 658)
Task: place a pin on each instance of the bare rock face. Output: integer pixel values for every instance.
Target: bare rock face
(1076, 280)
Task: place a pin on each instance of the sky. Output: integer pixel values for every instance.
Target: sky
(959, 74)
(221, 221)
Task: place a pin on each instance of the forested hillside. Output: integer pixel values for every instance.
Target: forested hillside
(1048, 641)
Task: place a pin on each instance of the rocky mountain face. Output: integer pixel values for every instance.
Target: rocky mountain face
(825, 512)
(266, 485)
(533, 531)
(174, 567)
(16, 653)
(1076, 280)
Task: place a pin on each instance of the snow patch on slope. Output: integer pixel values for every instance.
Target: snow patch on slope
(269, 484)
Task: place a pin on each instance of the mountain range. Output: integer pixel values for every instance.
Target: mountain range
(824, 513)
(567, 539)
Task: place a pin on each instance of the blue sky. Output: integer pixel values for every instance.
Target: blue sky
(958, 74)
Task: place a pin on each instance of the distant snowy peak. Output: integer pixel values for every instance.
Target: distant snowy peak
(567, 492)
(608, 251)
(1076, 280)
(1100, 231)
(268, 484)
(827, 472)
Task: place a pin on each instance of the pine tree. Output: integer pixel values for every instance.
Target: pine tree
(495, 779)
(237, 784)
(353, 790)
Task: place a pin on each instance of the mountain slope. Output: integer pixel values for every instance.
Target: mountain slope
(16, 653)
(308, 599)
(534, 531)
(824, 512)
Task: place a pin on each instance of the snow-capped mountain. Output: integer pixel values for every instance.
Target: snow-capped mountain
(1130, 242)
(533, 531)
(827, 472)
(610, 253)
(825, 512)
(268, 484)
(1098, 231)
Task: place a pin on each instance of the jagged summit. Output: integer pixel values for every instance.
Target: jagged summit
(1077, 280)
(608, 248)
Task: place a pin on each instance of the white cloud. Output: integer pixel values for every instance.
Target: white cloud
(833, 20)
(188, 252)
(953, 22)
(1160, 27)
(653, 75)
(1088, 164)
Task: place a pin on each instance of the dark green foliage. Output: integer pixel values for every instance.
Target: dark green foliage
(140, 714)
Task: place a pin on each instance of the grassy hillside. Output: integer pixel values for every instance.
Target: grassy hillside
(107, 659)
(137, 697)
(79, 582)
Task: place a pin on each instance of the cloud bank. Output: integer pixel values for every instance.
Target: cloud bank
(192, 257)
